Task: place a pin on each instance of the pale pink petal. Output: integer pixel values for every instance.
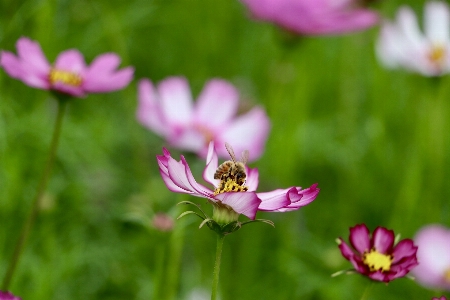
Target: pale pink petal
(407, 23)
(212, 163)
(216, 105)
(187, 138)
(248, 132)
(175, 101)
(245, 203)
(437, 22)
(101, 82)
(252, 179)
(105, 63)
(274, 200)
(71, 61)
(383, 240)
(31, 55)
(200, 189)
(359, 238)
(148, 112)
(299, 197)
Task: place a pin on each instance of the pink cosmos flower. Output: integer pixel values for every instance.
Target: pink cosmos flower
(434, 257)
(401, 44)
(314, 17)
(234, 199)
(169, 111)
(376, 257)
(8, 296)
(69, 74)
(442, 298)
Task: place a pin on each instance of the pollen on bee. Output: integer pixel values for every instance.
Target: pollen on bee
(229, 186)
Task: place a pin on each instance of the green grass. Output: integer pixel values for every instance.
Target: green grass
(375, 140)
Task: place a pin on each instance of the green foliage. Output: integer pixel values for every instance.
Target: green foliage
(375, 140)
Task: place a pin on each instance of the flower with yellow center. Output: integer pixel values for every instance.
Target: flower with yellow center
(376, 256)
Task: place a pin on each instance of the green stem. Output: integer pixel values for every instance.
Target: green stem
(367, 291)
(220, 238)
(37, 199)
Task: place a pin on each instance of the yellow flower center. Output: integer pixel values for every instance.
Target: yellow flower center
(437, 54)
(207, 134)
(229, 186)
(377, 261)
(447, 275)
(65, 77)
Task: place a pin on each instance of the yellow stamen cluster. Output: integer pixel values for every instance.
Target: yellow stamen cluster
(447, 275)
(437, 55)
(377, 261)
(65, 77)
(229, 186)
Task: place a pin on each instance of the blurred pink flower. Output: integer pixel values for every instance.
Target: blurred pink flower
(442, 298)
(314, 17)
(69, 74)
(169, 111)
(234, 199)
(8, 296)
(434, 257)
(376, 257)
(401, 44)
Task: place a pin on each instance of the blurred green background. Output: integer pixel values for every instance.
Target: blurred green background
(375, 140)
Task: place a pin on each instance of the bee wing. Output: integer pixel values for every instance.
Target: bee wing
(244, 157)
(231, 152)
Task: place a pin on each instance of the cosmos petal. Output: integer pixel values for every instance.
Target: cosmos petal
(245, 203)
(359, 238)
(383, 240)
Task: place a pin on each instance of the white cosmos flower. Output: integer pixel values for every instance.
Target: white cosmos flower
(401, 44)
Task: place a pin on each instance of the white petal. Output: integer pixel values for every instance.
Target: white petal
(437, 22)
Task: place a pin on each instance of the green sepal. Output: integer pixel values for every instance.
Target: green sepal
(188, 213)
(261, 221)
(196, 205)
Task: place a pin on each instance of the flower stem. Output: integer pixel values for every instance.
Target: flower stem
(367, 291)
(28, 224)
(220, 238)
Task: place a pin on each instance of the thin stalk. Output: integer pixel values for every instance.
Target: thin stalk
(220, 238)
(37, 199)
(367, 291)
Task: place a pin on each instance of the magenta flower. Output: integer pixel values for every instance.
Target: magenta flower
(442, 298)
(434, 257)
(229, 198)
(376, 257)
(69, 74)
(402, 45)
(8, 296)
(314, 17)
(169, 111)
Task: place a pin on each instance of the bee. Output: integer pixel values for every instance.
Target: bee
(233, 169)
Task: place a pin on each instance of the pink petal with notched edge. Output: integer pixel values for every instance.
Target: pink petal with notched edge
(148, 112)
(359, 238)
(176, 101)
(219, 99)
(403, 249)
(31, 56)
(274, 200)
(243, 203)
(299, 197)
(383, 240)
(247, 132)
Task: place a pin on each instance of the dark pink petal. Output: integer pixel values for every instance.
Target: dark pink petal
(403, 249)
(383, 240)
(247, 132)
(379, 276)
(8, 296)
(346, 251)
(212, 163)
(31, 55)
(358, 265)
(245, 203)
(359, 238)
(148, 112)
(217, 104)
(274, 200)
(176, 101)
(71, 61)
